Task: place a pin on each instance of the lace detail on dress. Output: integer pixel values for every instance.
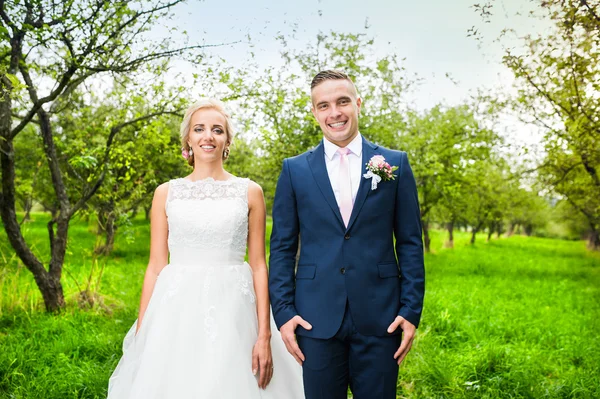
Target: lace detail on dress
(209, 188)
(174, 286)
(208, 216)
(244, 283)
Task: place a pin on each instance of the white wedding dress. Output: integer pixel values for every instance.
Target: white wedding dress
(201, 324)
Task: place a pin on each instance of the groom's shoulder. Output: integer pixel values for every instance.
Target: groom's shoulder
(391, 154)
(300, 158)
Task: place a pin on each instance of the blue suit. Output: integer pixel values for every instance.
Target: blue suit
(350, 282)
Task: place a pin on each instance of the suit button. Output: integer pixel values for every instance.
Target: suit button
(347, 236)
(343, 270)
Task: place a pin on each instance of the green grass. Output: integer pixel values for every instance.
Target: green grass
(513, 318)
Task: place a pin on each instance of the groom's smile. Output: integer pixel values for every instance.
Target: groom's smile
(337, 125)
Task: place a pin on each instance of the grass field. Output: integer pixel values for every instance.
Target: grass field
(513, 318)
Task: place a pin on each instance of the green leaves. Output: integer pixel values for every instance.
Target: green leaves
(83, 161)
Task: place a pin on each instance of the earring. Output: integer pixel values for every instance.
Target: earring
(226, 153)
(191, 152)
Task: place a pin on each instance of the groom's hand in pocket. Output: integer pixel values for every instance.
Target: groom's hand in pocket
(288, 334)
(408, 336)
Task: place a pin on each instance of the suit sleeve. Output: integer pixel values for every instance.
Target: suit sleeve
(409, 244)
(284, 246)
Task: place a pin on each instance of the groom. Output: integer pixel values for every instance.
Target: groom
(355, 299)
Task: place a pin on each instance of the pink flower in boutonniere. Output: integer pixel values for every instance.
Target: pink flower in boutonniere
(185, 153)
(377, 161)
(379, 170)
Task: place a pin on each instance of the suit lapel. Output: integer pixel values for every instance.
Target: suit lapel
(316, 161)
(364, 188)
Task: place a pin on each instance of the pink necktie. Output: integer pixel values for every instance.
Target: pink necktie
(345, 187)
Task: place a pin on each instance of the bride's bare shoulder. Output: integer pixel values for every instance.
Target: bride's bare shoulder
(161, 192)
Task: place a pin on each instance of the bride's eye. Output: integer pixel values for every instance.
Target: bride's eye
(198, 129)
(218, 131)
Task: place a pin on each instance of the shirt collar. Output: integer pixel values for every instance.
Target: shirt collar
(355, 146)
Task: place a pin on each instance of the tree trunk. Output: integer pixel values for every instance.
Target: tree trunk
(490, 232)
(106, 227)
(450, 242)
(27, 205)
(473, 235)
(511, 229)
(52, 292)
(594, 241)
(499, 229)
(111, 229)
(48, 282)
(147, 210)
(426, 239)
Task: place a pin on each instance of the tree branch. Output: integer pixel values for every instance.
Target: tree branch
(128, 66)
(37, 103)
(590, 10)
(5, 17)
(544, 94)
(580, 106)
(590, 169)
(113, 132)
(50, 150)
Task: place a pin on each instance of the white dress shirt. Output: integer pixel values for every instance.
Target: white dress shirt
(332, 162)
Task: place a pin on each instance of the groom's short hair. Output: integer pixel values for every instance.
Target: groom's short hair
(328, 74)
(331, 74)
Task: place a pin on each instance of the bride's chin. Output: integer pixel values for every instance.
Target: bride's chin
(208, 158)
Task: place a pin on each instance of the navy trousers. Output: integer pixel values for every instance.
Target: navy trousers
(366, 364)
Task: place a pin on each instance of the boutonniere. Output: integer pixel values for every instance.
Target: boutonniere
(379, 170)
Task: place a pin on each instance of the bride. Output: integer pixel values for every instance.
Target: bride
(204, 325)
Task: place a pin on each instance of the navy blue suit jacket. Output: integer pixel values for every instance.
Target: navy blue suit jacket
(359, 265)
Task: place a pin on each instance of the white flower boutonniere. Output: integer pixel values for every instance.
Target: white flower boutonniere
(379, 170)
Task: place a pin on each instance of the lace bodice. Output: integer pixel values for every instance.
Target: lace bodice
(208, 221)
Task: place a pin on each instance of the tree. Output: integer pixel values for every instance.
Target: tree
(524, 208)
(449, 145)
(486, 182)
(558, 80)
(48, 50)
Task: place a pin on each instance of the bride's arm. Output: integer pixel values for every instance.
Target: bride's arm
(261, 357)
(159, 252)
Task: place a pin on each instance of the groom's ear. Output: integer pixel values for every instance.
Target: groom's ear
(358, 104)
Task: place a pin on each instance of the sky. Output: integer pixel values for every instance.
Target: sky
(431, 35)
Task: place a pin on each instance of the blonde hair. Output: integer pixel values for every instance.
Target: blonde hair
(204, 103)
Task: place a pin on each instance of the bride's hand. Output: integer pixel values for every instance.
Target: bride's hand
(262, 362)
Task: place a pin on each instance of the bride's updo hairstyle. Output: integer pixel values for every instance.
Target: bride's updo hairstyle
(204, 103)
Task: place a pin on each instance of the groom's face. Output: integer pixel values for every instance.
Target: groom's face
(336, 105)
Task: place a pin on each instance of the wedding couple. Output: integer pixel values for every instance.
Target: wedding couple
(346, 276)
